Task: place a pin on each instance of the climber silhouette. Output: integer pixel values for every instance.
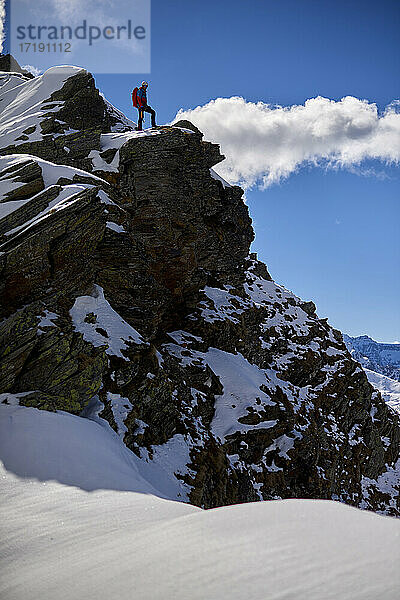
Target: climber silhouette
(139, 100)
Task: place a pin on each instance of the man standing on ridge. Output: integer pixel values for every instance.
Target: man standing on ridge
(139, 99)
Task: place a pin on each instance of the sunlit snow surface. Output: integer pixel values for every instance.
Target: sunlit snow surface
(388, 387)
(115, 141)
(81, 517)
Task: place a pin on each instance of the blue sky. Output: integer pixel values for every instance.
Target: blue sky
(330, 235)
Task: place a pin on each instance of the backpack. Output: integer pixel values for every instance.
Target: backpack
(134, 97)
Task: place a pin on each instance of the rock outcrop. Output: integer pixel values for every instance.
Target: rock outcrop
(127, 287)
(9, 64)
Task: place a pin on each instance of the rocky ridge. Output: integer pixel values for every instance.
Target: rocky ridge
(127, 288)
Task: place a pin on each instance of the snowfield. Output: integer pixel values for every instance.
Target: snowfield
(388, 387)
(82, 517)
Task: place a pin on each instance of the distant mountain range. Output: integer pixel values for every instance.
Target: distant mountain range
(378, 357)
(381, 363)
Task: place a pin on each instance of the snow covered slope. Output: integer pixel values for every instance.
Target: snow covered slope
(389, 388)
(82, 518)
(25, 103)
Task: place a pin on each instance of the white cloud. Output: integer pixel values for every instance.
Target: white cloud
(96, 12)
(31, 69)
(265, 144)
(73, 11)
(2, 21)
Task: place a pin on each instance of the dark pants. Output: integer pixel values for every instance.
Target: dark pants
(147, 109)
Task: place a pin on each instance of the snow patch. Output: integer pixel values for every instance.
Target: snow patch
(215, 175)
(224, 305)
(101, 325)
(47, 320)
(114, 227)
(67, 196)
(241, 381)
(121, 407)
(115, 141)
(387, 483)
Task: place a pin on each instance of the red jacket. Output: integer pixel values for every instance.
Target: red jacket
(139, 97)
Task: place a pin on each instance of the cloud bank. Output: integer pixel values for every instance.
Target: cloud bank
(265, 143)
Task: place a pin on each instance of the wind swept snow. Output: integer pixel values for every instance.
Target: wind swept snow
(59, 540)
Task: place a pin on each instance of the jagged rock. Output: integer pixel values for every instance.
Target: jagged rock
(25, 180)
(62, 370)
(8, 63)
(127, 277)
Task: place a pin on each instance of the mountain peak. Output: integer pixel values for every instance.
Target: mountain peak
(127, 289)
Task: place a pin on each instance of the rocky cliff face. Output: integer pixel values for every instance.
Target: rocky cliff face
(127, 288)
